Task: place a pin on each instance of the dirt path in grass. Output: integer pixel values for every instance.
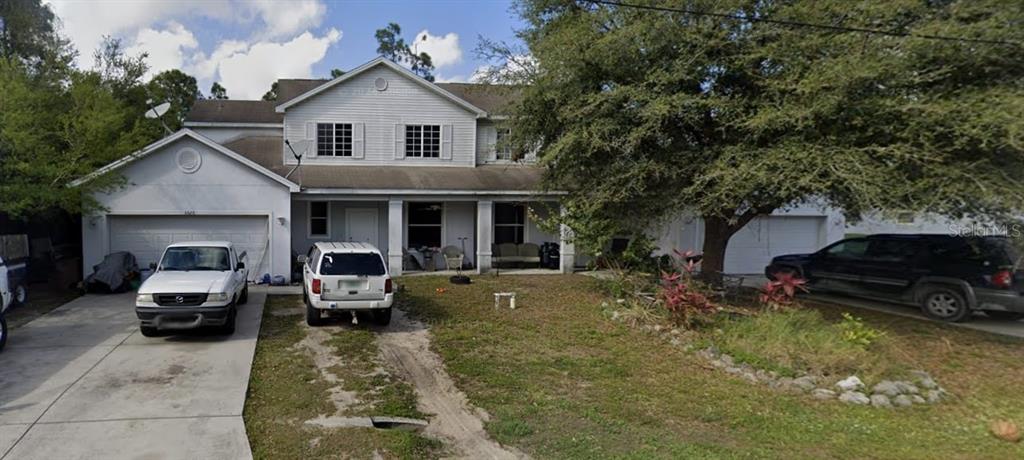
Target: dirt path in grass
(406, 345)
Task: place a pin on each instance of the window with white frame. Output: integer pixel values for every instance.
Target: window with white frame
(502, 148)
(425, 222)
(334, 139)
(423, 141)
(509, 223)
(319, 218)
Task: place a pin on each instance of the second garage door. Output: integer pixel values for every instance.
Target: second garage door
(753, 247)
(147, 236)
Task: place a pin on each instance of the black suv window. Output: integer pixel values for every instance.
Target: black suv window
(362, 264)
(996, 251)
(891, 250)
(849, 249)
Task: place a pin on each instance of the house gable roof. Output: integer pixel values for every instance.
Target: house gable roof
(380, 61)
(156, 146)
(220, 111)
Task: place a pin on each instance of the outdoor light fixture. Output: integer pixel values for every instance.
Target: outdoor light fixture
(281, 220)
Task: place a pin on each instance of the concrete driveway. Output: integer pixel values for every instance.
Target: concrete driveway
(81, 382)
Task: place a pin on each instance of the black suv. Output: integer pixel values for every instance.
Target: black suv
(947, 276)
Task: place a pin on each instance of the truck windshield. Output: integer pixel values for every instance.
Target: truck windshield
(195, 258)
(361, 264)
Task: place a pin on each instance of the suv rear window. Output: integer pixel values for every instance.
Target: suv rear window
(998, 251)
(361, 264)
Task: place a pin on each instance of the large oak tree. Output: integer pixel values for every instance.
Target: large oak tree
(641, 115)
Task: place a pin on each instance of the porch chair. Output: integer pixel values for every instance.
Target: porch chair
(453, 257)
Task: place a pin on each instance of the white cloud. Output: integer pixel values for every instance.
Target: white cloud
(247, 71)
(287, 18)
(443, 50)
(167, 48)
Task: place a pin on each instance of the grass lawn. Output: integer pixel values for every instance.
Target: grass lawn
(288, 387)
(561, 380)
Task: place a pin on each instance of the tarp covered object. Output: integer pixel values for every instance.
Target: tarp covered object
(114, 273)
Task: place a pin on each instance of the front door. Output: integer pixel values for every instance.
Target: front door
(361, 225)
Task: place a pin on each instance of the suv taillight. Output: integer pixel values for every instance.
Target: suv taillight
(316, 286)
(387, 286)
(1003, 279)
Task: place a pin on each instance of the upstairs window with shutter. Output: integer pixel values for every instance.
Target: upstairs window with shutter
(423, 141)
(334, 139)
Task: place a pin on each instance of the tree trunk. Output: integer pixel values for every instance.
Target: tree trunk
(716, 237)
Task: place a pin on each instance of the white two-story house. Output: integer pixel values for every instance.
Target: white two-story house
(377, 155)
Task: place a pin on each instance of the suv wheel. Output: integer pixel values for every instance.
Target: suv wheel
(945, 304)
(1005, 315)
(20, 296)
(244, 297)
(3, 332)
(313, 317)
(229, 326)
(149, 331)
(382, 317)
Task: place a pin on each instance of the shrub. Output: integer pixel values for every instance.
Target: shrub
(779, 293)
(853, 330)
(685, 298)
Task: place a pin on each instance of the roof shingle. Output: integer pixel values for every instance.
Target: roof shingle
(229, 111)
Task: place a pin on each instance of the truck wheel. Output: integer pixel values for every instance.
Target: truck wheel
(1005, 315)
(242, 299)
(229, 326)
(382, 317)
(313, 315)
(945, 304)
(20, 296)
(3, 332)
(149, 331)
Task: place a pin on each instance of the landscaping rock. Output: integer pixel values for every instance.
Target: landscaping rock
(903, 401)
(849, 384)
(727, 359)
(707, 354)
(855, 397)
(906, 387)
(750, 377)
(880, 401)
(718, 363)
(675, 342)
(734, 370)
(928, 383)
(933, 396)
(886, 387)
(805, 383)
(917, 399)
(781, 383)
(823, 393)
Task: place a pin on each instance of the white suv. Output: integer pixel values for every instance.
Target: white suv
(196, 284)
(346, 277)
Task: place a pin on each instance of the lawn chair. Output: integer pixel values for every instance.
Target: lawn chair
(453, 257)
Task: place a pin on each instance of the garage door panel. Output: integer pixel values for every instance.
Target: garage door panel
(753, 247)
(147, 236)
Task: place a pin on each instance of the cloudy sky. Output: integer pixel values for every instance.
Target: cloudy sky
(247, 44)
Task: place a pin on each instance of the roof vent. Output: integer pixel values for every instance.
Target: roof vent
(189, 160)
(380, 83)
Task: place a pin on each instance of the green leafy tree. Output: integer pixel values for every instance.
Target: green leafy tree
(391, 45)
(218, 92)
(335, 73)
(178, 88)
(642, 115)
(272, 94)
(28, 34)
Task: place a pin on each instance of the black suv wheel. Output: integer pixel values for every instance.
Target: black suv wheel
(945, 304)
(3, 331)
(313, 317)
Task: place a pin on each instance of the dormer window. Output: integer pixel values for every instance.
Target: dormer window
(333, 139)
(423, 141)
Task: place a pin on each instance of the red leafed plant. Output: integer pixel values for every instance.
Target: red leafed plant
(779, 293)
(683, 296)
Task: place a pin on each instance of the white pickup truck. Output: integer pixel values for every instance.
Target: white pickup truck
(196, 284)
(12, 292)
(340, 277)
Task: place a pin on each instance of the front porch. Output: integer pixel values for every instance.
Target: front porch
(417, 232)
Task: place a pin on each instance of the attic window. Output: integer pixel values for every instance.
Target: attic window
(333, 139)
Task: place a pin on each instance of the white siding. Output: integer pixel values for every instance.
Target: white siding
(220, 187)
(404, 102)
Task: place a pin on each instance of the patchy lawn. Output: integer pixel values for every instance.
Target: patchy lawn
(561, 380)
(304, 379)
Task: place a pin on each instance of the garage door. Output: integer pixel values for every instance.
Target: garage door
(147, 236)
(754, 245)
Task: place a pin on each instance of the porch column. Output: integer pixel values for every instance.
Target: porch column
(396, 229)
(567, 250)
(484, 234)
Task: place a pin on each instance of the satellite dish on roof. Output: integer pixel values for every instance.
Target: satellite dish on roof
(158, 111)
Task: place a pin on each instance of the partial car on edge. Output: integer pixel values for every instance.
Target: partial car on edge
(947, 276)
(196, 284)
(346, 277)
